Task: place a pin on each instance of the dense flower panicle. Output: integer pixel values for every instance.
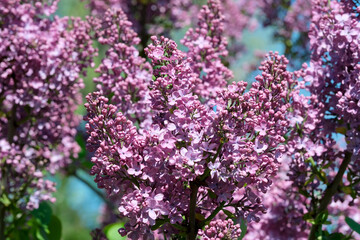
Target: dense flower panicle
(23, 170)
(206, 46)
(177, 149)
(332, 79)
(253, 124)
(299, 16)
(224, 150)
(231, 153)
(41, 61)
(334, 68)
(238, 16)
(111, 134)
(334, 75)
(124, 75)
(173, 74)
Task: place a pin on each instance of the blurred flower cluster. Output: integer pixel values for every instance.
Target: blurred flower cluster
(41, 59)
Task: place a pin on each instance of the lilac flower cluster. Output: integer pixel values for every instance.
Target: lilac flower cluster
(297, 14)
(333, 106)
(191, 160)
(183, 150)
(40, 64)
(317, 164)
(206, 46)
(123, 73)
(334, 70)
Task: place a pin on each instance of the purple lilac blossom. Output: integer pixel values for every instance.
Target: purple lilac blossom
(155, 167)
(314, 158)
(41, 61)
(123, 73)
(207, 46)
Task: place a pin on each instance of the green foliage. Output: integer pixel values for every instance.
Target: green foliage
(45, 226)
(352, 224)
(112, 233)
(5, 200)
(243, 227)
(334, 236)
(43, 213)
(40, 224)
(55, 228)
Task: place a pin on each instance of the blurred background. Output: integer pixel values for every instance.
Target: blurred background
(78, 203)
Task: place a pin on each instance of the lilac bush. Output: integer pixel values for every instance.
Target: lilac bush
(181, 150)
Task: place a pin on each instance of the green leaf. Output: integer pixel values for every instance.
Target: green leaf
(43, 213)
(20, 235)
(228, 213)
(349, 177)
(311, 221)
(80, 140)
(308, 216)
(40, 235)
(311, 160)
(304, 193)
(212, 195)
(322, 217)
(229, 103)
(55, 228)
(322, 176)
(352, 224)
(112, 233)
(243, 227)
(335, 236)
(341, 130)
(5, 200)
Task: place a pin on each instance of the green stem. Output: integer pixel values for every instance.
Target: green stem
(192, 212)
(329, 193)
